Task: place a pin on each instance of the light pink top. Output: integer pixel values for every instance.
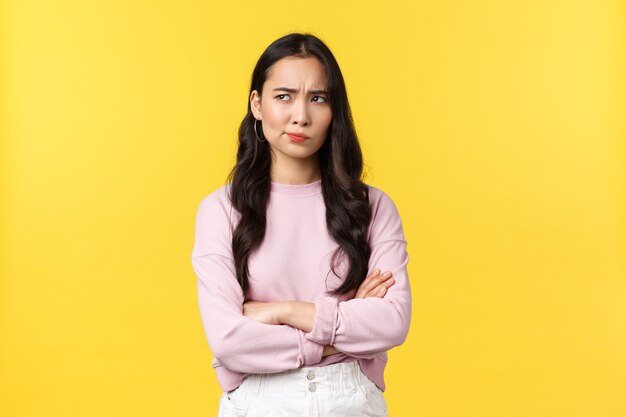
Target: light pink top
(293, 263)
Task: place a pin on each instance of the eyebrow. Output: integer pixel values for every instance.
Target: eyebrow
(293, 90)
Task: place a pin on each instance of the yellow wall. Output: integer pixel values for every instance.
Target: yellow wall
(498, 128)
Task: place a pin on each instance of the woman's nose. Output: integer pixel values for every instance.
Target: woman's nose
(301, 112)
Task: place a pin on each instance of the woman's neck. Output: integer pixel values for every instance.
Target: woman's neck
(295, 175)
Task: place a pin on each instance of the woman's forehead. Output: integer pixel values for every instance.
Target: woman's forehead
(297, 72)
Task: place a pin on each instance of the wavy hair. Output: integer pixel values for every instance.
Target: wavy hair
(348, 212)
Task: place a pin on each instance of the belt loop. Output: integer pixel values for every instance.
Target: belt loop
(254, 387)
(346, 378)
(355, 373)
(259, 381)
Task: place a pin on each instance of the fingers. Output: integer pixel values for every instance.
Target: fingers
(376, 280)
(370, 282)
(381, 289)
(375, 284)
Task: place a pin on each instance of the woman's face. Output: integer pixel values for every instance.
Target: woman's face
(294, 100)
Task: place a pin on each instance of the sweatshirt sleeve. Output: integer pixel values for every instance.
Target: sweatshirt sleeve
(366, 327)
(238, 343)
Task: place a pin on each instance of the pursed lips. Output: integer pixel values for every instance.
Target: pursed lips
(298, 135)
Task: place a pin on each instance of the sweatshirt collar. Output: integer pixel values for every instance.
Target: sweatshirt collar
(299, 190)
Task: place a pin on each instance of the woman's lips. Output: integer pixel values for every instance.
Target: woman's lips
(296, 138)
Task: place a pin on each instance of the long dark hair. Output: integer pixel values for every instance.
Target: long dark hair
(348, 212)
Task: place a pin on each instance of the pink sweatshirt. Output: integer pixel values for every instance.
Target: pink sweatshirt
(293, 263)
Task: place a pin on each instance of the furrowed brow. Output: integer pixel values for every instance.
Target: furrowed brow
(293, 90)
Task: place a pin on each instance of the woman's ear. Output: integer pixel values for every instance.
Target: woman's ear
(255, 104)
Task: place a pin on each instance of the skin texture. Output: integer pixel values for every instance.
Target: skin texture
(307, 112)
(300, 314)
(302, 112)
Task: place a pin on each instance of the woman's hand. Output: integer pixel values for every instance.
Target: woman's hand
(274, 313)
(301, 314)
(268, 313)
(329, 350)
(375, 285)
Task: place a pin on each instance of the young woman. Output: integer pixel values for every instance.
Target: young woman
(289, 253)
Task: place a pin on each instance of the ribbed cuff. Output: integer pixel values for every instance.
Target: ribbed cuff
(310, 352)
(325, 323)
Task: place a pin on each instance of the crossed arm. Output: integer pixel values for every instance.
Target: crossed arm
(246, 343)
(253, 337)
(301, 314)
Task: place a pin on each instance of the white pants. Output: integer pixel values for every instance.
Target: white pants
(340, 390)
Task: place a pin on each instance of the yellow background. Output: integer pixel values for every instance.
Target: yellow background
(497, 127)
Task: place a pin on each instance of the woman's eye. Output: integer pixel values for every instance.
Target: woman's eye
(323, 99)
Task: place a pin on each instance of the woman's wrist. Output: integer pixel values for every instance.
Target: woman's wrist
(283, 312)
(299, 314)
